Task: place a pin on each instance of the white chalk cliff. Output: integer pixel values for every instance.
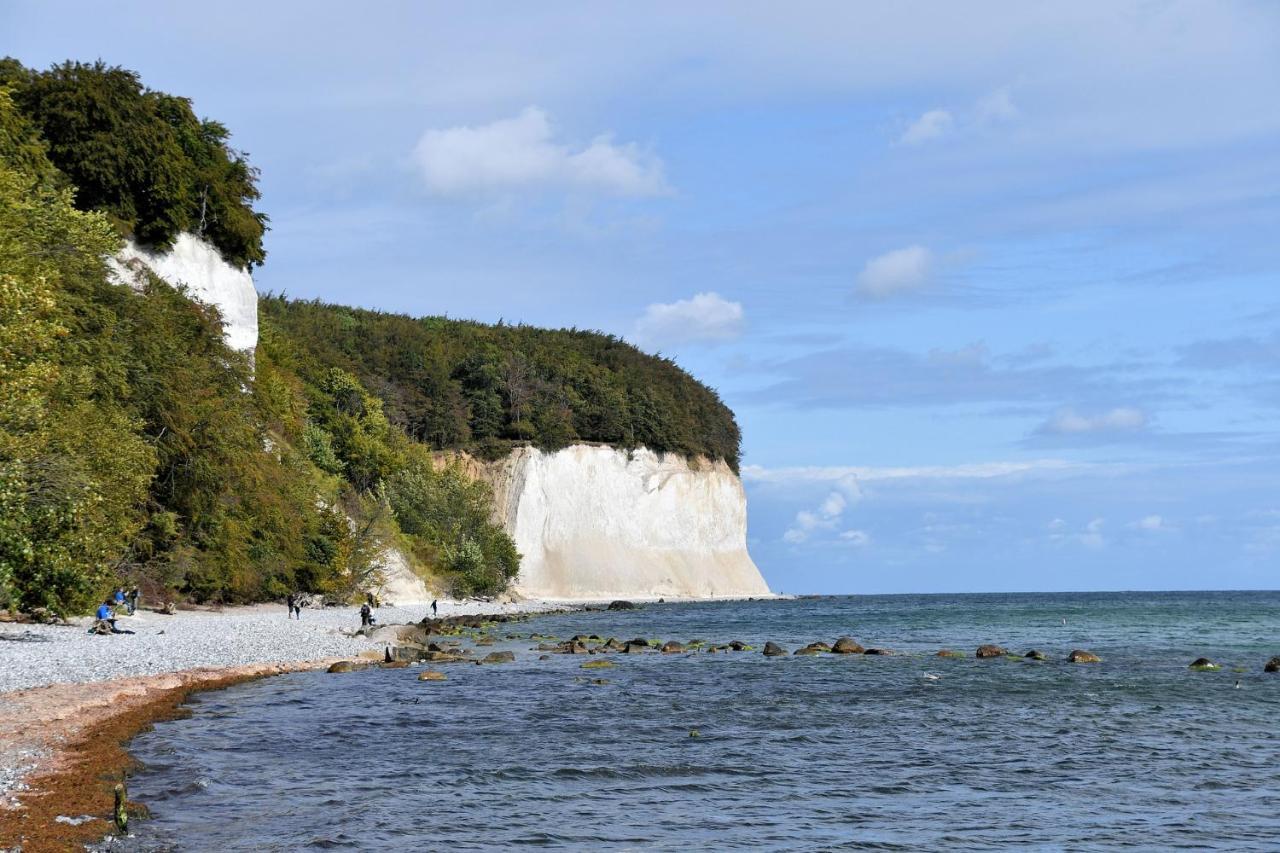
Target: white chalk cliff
(595, 522)
(199, 266)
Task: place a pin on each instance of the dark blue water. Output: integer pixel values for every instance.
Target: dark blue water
(830, 752)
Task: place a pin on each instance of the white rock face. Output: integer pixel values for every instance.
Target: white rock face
(598, 523)
(400, 583)
(209, 278)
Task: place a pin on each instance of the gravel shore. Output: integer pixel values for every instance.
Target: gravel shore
(38, 655)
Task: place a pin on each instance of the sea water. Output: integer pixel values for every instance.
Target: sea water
(738, 751)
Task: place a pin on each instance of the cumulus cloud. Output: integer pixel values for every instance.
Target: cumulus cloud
(900, 271)
(1071, 422)
(522, 153)
(707, 317)
(1089, 536)
(828, 515)
(931, 125)
(857, 538)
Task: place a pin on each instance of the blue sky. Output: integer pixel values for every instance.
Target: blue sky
(991, 286)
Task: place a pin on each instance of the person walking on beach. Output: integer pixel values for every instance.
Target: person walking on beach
(433, 607)
(133, 600)
(291, 602)
(366, 615)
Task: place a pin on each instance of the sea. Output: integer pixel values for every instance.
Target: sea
(738, 751)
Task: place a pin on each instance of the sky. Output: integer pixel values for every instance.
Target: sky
(991, 286)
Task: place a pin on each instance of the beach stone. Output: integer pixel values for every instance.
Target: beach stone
(1203, 663)
(1032, 655)
(1272, 665)
(878, 652)
(621, 605)
(990, 650)
(499, 657)
(431, 675)
(846, 646)
(671, 647)
(772, 649)
(1081, 656)
(342, 666)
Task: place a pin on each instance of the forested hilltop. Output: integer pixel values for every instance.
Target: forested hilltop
(136, 447)
(484, 388)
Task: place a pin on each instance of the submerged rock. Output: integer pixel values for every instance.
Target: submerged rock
(884, 652)
(1203, 664)
(847, 646)
(949, 653)
(990, 650)
(1082, 656)
(1034, 655)
(1272, 665)
(737, 645)
(807, 650)
(394, 664)
(772, 649)
(671, 647)
(499, 657)
(431, 675)
(598, 664)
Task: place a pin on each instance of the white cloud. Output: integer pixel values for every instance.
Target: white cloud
(1071, 422)
(855, 537)
(1152, 524)
(522, 153)
(854, 473)
(1092, 535)
(996, 107)
(827, 516)
(931, 125)
(899, 271)
(707, 317)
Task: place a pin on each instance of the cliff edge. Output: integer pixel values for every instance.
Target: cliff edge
(594, 522)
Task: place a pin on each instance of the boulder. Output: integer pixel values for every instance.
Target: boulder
(621, 605)
(1272, 665)
(342, 666)
(598, 664)
(394, 664)
(499, 657)
(1203, 664)
(671, 647)
(1034, 655)
(772, 649)
(878, 652)
(431, 675)
(949, 653)
(442, 657)
(633, 649)
(1081, 656)
(807, 650)
(846, 646)
(737, 645)
(990, 650)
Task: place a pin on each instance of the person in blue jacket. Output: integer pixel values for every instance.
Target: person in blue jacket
(106, 618)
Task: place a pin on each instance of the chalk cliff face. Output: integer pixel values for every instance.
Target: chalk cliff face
(595, 522)
(208, 278)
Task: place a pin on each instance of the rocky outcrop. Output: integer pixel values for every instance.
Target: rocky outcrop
(598, 523)
(199, 267)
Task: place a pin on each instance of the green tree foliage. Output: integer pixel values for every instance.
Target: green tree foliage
(457, 384)
(142, 157)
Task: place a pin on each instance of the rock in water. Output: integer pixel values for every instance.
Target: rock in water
(1203, 664)
(499, 657)
(1034, 655)
(884, 652)
(671, 647)
(1081, 656)
(598, 664)
(772, 649)
(808, 650)
(990, 650)
(431, 675)
(949, 653)
(621, 605)
(1272, 665)
(847, 646)
(342, 666)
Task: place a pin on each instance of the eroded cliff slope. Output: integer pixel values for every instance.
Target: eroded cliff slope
(595, 522)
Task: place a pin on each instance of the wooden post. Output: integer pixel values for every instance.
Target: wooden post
(122, 811)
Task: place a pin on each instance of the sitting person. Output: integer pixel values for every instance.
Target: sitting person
(106, 617)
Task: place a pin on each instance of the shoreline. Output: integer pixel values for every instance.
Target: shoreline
(77, 739)
(75, 700)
